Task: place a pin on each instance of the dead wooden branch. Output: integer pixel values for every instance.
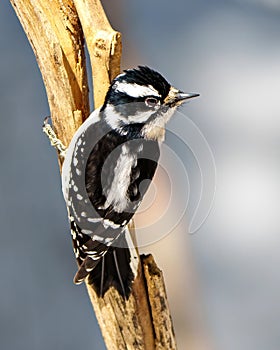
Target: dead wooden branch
(104, 46)
(55, 30)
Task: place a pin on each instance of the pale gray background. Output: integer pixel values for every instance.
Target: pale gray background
(229, 51)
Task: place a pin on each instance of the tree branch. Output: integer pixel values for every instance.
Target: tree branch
(55, 34)
(55, 30)
(104, 46)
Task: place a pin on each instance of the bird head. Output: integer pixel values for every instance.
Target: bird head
(142, 98)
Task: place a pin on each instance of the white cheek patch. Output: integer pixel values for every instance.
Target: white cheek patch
(140, 117)
(135, 90)
(113, 118)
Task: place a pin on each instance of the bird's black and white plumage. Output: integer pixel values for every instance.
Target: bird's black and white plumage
(110, 155)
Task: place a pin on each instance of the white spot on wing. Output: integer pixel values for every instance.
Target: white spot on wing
(97, 238)
(109, 223)
(94, 219)
(77, 138)
(109, 240)
(87, 232)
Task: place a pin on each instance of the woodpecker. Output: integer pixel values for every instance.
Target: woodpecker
(110, 155)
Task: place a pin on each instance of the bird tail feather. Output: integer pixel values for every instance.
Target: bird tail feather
(116, 268)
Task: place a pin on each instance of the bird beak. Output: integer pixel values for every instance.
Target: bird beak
(176, 97)
(185, 96)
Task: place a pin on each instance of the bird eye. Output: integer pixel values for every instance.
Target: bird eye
(151, 101)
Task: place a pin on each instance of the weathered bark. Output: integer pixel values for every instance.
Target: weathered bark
(55, 30)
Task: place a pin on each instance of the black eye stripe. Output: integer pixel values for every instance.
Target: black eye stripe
(120, 98)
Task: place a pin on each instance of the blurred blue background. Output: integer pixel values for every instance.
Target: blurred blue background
(223, 281)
